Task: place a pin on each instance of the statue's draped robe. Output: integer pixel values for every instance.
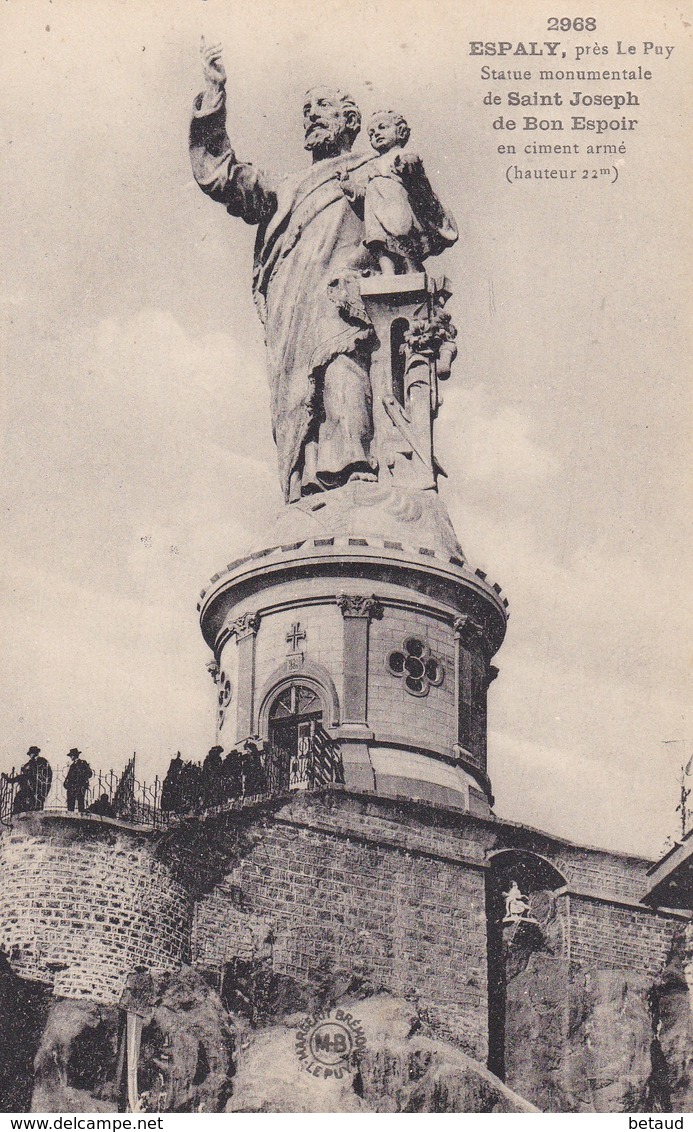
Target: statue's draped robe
(307, 235)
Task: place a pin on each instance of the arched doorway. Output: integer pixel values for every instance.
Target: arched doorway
(302, 754)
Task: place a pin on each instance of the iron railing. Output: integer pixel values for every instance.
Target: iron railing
(108, 794)
(252, 774)
(188, 788)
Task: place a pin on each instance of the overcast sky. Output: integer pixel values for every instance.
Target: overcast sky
(137, 452)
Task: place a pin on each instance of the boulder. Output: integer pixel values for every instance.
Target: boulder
(186, 1051)
(672, 1003)
(395, 1067)
(24, 1007)
(607, 1062)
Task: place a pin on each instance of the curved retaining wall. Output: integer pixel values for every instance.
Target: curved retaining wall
(82, 903)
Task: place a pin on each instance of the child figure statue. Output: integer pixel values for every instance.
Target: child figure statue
(404, 220)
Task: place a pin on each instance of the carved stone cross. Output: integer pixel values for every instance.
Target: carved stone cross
(295, 635)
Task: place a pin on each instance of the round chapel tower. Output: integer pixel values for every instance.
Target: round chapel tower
(354, 642)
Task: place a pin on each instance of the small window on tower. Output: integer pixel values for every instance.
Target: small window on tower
(420, 670)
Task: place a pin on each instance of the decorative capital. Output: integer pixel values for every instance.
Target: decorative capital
(356, 605)
(468, 631)
(491, 673)
(427, 335)
(213, 669)
(246, 625)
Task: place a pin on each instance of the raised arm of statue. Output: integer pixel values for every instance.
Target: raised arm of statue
(244, 190)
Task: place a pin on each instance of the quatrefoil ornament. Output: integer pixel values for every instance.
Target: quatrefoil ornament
(415, 665)
(224, 695)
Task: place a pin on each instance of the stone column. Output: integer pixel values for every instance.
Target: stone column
(354, 731)
(473, 675)
(403, 404)
(245, 629)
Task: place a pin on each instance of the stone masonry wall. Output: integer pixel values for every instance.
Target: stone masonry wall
(608, 927)
(340, 890)
(425, 721)
(610, 936)
(394, 895)
(82, 903)
(612, 874)
(325, 887)
(323, 644)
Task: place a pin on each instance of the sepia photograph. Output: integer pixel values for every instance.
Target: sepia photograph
(346, 758)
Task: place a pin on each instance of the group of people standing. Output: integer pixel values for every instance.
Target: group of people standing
(35, 778)
(190, 787)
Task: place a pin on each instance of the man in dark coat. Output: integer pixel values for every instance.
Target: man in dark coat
(190, 788)
(253, 771)
(77, 780)
(232, 776)
(170, 791)
(34, 780)
(211, 777)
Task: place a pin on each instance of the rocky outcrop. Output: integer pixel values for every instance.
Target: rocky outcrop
(536, 1026)
(186, 1053)
(197, 1057)
(607, 1063)
(187, 1045)
(581, 1039)
(76, 1066)
(24, 1007)
(397, 1068)
(672, 1005)
(577, 1039)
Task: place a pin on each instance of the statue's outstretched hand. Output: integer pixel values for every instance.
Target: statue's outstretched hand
(215, 72)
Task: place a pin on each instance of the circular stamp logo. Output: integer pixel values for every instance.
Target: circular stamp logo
(326, 1043)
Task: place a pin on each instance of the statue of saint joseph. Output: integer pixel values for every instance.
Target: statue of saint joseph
(310, 252)
(308, 237)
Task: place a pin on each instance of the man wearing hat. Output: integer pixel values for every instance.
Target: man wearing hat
(34, 781)
(170, 790)
(77, 780)
(251, 764)
(211, 777)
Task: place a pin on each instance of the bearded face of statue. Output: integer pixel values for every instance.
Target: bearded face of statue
(330, 123)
